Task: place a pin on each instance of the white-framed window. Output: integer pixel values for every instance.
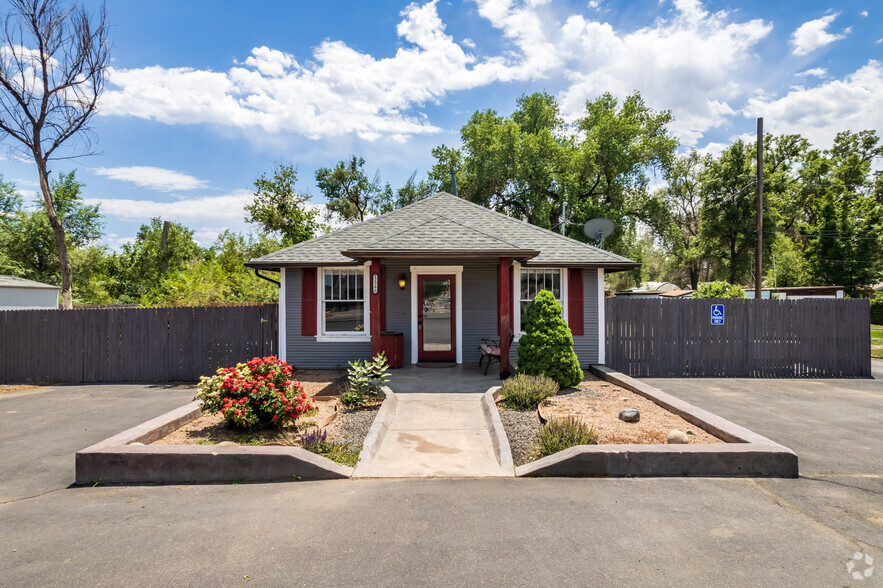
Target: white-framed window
(530, 282)
(343, 303)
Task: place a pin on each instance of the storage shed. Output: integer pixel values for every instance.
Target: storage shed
(21, 294)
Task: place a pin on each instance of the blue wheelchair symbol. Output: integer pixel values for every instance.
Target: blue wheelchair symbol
(717, 314)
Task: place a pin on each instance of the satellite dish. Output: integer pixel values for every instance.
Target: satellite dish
(599, 229)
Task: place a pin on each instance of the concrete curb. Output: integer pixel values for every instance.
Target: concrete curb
(499, 440)
(116, 461)
(380, 427)
(745, 453)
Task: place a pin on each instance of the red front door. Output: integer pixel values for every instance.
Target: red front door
(436, 325)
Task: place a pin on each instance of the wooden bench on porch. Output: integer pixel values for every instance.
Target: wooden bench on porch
(490, 350)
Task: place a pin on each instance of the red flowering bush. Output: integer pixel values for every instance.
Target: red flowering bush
(255, 395)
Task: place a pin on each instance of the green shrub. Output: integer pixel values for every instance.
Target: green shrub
(365, 378)
(255, 395)
(525, 392)
(559, 434)
(547, 346)
(719, 290)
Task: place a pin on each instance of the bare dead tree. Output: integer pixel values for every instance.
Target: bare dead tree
(53, 61)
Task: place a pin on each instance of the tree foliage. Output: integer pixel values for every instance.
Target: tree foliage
(532, 163)
(278, 209)
(719, 290)
(350, 195)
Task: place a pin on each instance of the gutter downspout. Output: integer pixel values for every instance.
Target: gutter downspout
(258, 274)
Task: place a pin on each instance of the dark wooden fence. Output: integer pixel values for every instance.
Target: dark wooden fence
(810, 338)
(131, 344)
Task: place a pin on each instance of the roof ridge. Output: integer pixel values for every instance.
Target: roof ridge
(346, 228)
(537, 228)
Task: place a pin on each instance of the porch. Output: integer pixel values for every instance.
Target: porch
(462, 378)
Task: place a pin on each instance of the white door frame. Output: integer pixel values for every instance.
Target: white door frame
(457, 270)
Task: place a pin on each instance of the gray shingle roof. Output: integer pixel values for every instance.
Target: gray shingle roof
(438, 225)
(16, 282)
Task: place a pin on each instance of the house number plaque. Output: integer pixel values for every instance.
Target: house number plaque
(374, 284)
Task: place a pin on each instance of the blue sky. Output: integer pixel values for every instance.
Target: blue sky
(204, 96)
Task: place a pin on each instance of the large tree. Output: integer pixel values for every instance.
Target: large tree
(681, 237)
(52, 71)
(280, 210)
(349, 193)
(530, 164)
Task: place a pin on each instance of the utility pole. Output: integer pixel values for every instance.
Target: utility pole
(453, 180)
(758, 254)
(563, 216)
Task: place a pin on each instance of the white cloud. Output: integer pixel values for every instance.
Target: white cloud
(691, 63)
(156, 178)
(338, 91)
(819, 113)
(818, 72)
(864, 13)
(814, 34)
(207, 215)
(224, 210)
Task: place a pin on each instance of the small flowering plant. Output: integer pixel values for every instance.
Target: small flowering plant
(255, 395)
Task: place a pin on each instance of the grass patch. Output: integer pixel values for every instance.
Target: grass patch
(316, 441)
(877, 341)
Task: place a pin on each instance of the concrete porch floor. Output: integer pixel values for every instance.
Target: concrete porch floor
(462, 378)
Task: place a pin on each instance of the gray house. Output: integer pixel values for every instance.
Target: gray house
(446, 274)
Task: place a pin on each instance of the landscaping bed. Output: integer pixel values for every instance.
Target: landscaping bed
(332, 430)
(596, 403)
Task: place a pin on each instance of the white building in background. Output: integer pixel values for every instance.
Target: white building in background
(21, 294)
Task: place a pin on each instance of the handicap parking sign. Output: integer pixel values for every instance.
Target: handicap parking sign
(717, 314)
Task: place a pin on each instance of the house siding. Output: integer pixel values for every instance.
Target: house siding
(586, 345)
(479, 316)
(306, 352)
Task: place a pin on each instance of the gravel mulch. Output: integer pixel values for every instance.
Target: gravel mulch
(597, 403)
(352, 424)
(521, 428)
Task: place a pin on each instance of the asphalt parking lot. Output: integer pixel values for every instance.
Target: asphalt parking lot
(643, 532)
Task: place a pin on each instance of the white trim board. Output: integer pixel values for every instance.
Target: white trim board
(602, 327)
(281, 350)
(516, 294)
(321, 335)
(457, 270)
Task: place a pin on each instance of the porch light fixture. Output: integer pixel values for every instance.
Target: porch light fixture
(403, 279)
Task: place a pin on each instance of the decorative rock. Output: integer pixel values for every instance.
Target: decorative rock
(136, 443)
(676, 436)
(689, 432)
(623, 399)
(629, 415)
(228, 444)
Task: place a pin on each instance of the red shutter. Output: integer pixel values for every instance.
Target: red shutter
(499, 314)
(382, 298)
(308, 301)
(575, 301)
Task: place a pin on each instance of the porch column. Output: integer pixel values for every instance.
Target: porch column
(505, 305)
(375, 288)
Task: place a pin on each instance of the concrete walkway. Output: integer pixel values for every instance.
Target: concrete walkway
(435, 435)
